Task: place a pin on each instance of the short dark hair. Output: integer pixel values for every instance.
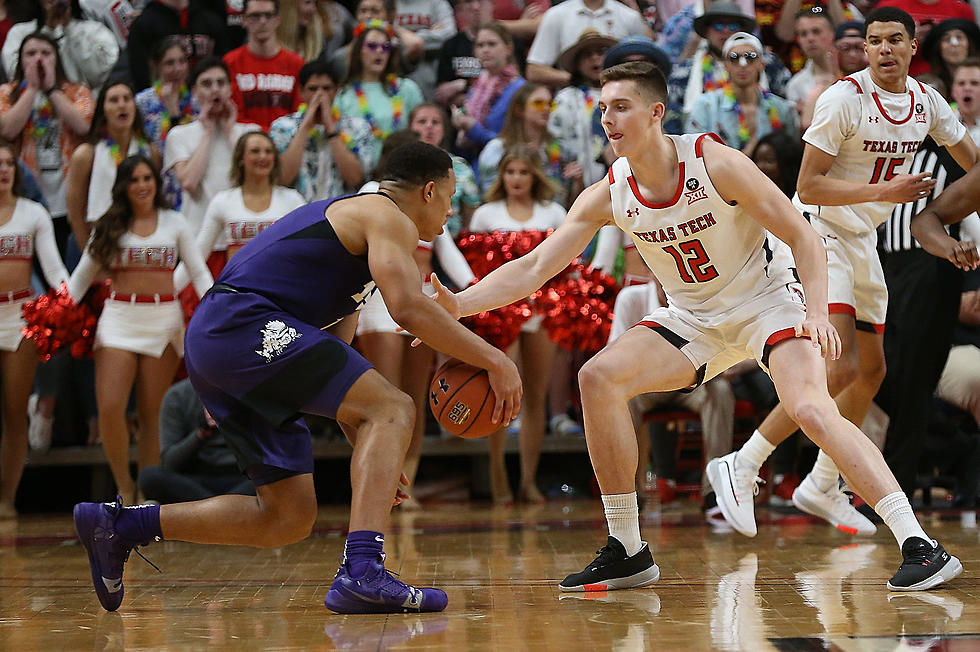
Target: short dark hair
(891, 15)
(316, 67)
(648, 78)
(969, 62)
(204, 65)
(245, 4)
(416, 164)
(816, 12)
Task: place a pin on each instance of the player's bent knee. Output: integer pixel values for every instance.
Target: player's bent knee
(813, 415)
(289, 523)
(397, 410)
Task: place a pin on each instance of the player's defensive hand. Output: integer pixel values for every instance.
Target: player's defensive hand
(400, 494)
(505, 382)
(907, 187)
(963, 254)
(823, 335)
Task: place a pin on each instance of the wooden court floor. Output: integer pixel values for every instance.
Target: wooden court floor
(799, 585)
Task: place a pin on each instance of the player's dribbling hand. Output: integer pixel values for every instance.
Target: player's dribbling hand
(907, 187)
(823, 335)
(963, 254)
(505, 382)
(400, 494)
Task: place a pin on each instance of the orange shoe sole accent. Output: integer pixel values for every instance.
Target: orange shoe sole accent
(595, 587)
(847, 530)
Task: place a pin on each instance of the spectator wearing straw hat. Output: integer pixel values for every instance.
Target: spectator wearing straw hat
(574, 118)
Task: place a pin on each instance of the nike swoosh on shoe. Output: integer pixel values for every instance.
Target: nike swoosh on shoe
(112, 585)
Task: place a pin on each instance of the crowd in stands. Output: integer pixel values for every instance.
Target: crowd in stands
(148, 136)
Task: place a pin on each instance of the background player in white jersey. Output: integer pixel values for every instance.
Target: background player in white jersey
(866, 129)
(704, 238)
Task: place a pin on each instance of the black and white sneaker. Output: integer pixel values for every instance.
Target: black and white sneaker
(925, 565)
(612, 569)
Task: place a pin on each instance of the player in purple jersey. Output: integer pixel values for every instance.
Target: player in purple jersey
(271, 342)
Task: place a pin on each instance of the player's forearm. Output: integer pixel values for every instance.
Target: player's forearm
(824, 191)
(428, 321)
(506, 284)
(811, 265)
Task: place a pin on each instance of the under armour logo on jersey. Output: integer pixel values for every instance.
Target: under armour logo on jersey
(276, 336)
(873, 119)
(632, 212)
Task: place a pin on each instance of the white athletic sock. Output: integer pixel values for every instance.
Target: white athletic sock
(825, 473)
(897, 513)
(754, 452)
(623, 518)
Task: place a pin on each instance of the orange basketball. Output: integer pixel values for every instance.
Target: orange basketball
(462, 401)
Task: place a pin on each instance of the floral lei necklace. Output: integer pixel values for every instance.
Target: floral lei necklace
(743, 123)
(396, 106)
(116, 152)
(708, 74)
(184, 105)
(40, 118)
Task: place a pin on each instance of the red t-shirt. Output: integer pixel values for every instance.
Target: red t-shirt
(512, 9)
(264, 89)
(933, 12)
(5, 26)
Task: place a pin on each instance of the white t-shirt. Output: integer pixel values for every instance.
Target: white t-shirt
(182, 140)
(562, 25)
(493, 216)
(874, 135)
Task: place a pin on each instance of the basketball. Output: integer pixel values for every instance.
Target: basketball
(462, 401)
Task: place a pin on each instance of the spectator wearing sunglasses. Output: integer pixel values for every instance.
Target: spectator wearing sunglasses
(373, 90)
(264, 75)
(705, 70)
(742, 112)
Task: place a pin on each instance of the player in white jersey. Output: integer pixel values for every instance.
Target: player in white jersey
(859, 148)
(699, 210)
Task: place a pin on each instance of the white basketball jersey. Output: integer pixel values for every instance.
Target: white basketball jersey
(874, 135)
(709, 255)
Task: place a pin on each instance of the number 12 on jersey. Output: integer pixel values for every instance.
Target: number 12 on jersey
(692, 269)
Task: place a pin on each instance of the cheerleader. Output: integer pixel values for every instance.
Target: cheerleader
(140, 334)
(25, 228)
(520, 200)
(238, 214)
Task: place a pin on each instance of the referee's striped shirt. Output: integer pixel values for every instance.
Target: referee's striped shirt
(894, 234)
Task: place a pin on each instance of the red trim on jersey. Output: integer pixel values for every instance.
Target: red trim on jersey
(841, 309)
(612, 180)
(649, 324)
(853, 81)
(879, 328)
(779, 336)
(921, 85)
(888, 117)
(628, 245)
(697, 144)
(667, 204)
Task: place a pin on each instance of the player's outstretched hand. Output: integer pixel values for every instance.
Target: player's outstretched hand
(823, 335)
(445, 297)
(400, 494)
(963, 254)
(907, 187)
(505, 382)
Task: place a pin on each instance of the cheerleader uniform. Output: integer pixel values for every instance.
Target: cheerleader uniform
(145, 323)
(28, 230)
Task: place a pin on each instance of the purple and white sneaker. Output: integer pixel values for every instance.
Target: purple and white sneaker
(377, 592)
(108, 553)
